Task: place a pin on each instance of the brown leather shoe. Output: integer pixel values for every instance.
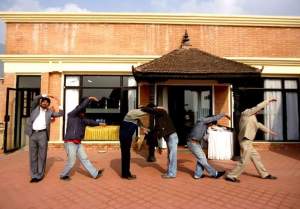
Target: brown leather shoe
(130, 177)
(235, 180)
(270, 177)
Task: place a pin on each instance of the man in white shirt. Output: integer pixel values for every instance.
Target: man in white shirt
(38, 128)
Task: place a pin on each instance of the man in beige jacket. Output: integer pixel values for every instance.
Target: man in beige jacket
(248, 127)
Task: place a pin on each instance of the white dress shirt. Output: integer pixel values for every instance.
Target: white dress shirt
(40, 122)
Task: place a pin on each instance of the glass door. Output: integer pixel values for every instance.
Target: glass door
(9, 132)
(18, 108)
(187, 104)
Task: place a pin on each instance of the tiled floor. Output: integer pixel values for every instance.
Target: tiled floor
(149, 190)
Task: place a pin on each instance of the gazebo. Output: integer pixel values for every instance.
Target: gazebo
(187, 63)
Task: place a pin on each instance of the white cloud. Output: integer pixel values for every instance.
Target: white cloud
(214, 6)
(21, 5)
(69, 7)
(229, 7)
(34, 6)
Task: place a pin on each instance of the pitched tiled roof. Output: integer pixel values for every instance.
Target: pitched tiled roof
(188, 62)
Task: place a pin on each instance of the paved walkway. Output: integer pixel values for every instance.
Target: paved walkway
(149, 190)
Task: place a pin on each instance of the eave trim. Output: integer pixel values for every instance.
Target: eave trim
(150, 18)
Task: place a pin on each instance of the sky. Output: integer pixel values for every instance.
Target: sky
(221, 7)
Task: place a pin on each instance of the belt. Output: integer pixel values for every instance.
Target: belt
(36, 131)
(194, 141)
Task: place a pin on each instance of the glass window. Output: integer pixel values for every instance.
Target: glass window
(114, 100)
(109, 100)
(272, 84)
(101, 81)
(72, 100)
(290, 84)
(129, 81)
(29, 82)
(281, 116)
(292, 116)
(273, 116)
(72, 81)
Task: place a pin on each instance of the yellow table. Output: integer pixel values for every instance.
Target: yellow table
(101, 133)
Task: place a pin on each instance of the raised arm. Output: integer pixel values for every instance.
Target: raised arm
(213, 118)
(36, 101)
(82, 105)
(260, 106)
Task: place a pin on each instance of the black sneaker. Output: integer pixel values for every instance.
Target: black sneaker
(219, 174)
(130, 177)
(34, 180)
(100, 173)
(65, 178)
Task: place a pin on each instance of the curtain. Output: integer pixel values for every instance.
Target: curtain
(72, 98)
(292, 110)
(273, 111)
(131, 99)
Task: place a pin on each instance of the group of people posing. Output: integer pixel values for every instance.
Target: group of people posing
(160, 126)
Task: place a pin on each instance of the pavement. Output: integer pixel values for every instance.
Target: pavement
(149, 190)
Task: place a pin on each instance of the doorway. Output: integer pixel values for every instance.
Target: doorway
(186, 104)
(18, 109)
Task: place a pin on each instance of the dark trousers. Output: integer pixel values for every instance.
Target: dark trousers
(38, 146)
(127, 130)
(152, 143)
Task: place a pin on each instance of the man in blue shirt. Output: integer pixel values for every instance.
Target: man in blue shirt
(194, 139)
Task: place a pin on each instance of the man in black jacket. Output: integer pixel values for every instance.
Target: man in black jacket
(164, 128)
(74, 134)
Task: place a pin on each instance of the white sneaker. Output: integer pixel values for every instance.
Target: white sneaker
(198, 177)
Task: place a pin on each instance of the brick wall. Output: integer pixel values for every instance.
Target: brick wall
(150, 39)
(9, 81)
(54, 89)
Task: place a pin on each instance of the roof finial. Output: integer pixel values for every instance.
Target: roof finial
(185, 43)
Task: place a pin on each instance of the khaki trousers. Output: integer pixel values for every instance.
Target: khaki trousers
(248, 152)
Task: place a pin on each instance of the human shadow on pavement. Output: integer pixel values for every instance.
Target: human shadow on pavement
(50, 162)
(181, 167)
(143, 163)
(115, 164)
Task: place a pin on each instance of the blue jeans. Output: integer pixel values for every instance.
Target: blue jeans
(72, 150)
(172, 154)
(202, 163)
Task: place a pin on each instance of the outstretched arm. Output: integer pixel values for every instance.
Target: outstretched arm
(266, 130)
(214, 118)
(82, 105)
(260, 106)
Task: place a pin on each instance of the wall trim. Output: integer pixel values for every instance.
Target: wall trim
(30, 58)
(150, 18)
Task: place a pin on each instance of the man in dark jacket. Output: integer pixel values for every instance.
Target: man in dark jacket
(74, 134)
(194, 140)
(38, 129)
(164, 128)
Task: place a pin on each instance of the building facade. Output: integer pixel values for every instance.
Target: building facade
(73, 55)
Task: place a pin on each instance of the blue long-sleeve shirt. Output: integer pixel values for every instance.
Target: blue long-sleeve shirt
(200, 127)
